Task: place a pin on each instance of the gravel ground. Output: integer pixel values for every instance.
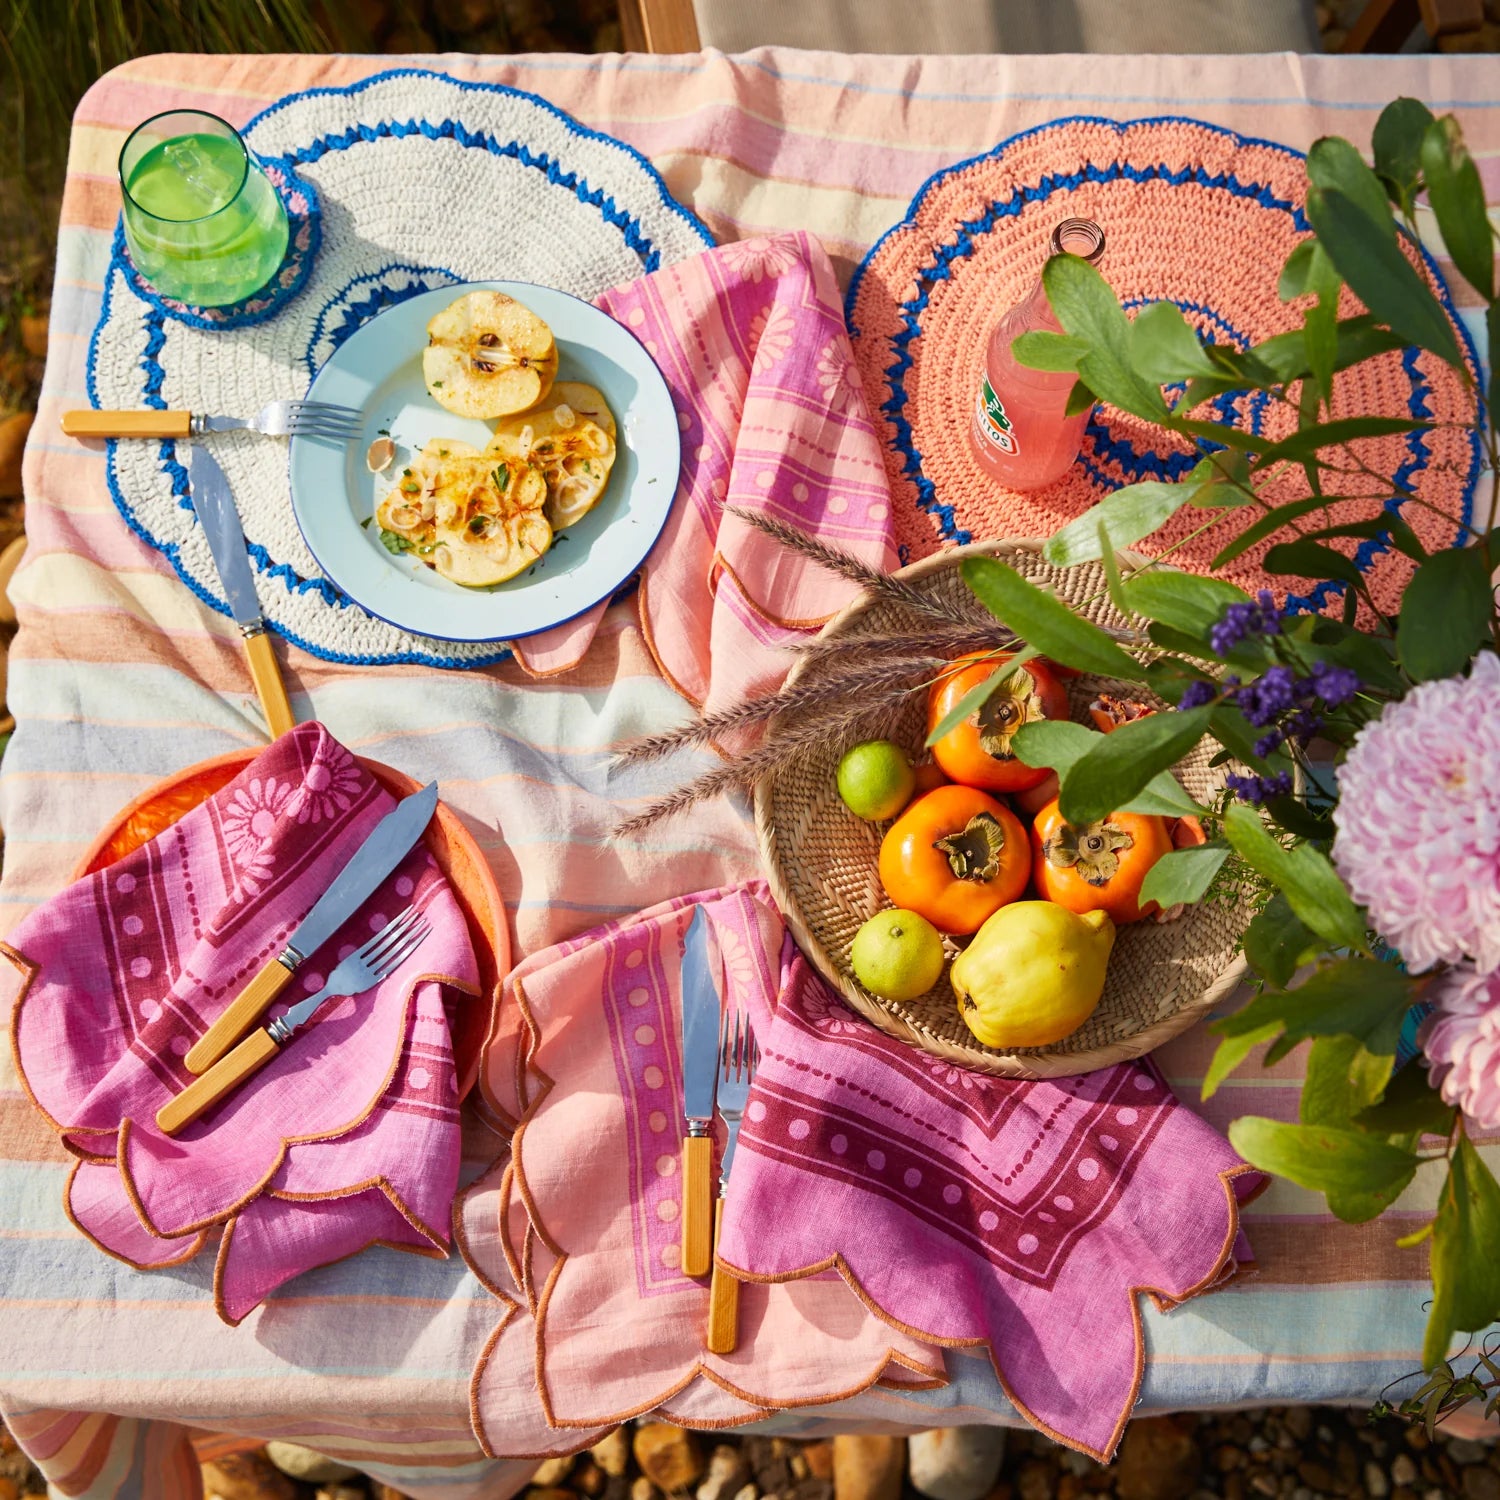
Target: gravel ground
(1300, 1453)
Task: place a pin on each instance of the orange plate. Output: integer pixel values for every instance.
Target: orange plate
(452, 845)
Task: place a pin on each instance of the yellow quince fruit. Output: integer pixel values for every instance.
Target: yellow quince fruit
(1033, 973)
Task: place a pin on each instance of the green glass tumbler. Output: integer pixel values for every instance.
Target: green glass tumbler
(203, 222)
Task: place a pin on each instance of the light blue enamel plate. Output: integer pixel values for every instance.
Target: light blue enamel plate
(378, 372)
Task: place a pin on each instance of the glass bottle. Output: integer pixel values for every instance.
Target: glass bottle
(1021, 434)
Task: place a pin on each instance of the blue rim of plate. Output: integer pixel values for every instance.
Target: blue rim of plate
(654, 392)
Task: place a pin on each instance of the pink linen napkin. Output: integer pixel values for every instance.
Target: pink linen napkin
(750, 338)
(576, 1228)
(349, 1137)
(969, 1209)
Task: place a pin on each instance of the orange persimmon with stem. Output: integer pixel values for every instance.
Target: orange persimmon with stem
(1098, 866)
(978, 751)
(955, 856)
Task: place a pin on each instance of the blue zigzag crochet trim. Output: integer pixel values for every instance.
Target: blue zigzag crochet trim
(1136, 466)
(382, 296)
(154, 324)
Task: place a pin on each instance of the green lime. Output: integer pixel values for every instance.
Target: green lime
(876, 780)
(897, 955)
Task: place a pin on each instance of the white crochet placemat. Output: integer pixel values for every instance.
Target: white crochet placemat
(403, 182)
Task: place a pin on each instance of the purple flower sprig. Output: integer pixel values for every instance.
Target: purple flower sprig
(1259, 789)
(1240, 620)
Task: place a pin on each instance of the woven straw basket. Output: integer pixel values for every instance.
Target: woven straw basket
(822, 867)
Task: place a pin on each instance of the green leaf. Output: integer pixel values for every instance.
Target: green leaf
(1038, 349)
(1445, 614)
(1397, 146)
(1310, 883)
(1294, 815)
(1164, 347)
(1355, 997)
(1080, 399)
(1308, 440)
(978, 696)
(1231, 1052)
(1123, 762)
(1089, 310)
(1380, 275)
(1044, 621)
(1297, 271)
(1410, 1105)
(1343, 1077)
(1184, 601)
(1111, 564)
(1322, 1157)
(1387, 524)
(1059, 744)
(1183, 876)
(1332, 163)
(1306, 559)
(1169, 676)
(1359, 338)
(1457, 198)
(1320, 325)
(1359, 1205)
(1492, 335)
(1268, 525)
(1127, 516)
(1465, 1268)
(1235, 732)
(1367, 655)
(395, 543)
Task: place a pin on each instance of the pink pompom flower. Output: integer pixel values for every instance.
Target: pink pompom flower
(1462, 1041)
(1418, 821)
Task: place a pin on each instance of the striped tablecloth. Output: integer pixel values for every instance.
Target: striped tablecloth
(120, 676)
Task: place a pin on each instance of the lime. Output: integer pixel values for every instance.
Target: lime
(876, 780)
(897, 955)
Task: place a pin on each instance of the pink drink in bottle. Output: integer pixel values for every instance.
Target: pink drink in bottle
(1021, 434)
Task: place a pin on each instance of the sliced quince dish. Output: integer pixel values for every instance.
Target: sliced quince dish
(475, 519)
(487, 356)
(570, 437)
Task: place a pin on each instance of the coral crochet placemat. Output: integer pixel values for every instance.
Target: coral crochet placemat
(1194, 214)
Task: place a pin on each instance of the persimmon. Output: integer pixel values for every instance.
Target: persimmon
(1098, 866)
(978, 751)
(955, 856)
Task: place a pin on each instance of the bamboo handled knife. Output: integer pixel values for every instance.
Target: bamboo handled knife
(700, 1072)
(226, 540)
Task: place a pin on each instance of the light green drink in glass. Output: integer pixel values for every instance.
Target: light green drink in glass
(203, 223)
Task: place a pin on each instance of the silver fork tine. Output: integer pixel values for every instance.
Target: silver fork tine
(389, 935)
(392, 960)
(321, 427)
(331, 408)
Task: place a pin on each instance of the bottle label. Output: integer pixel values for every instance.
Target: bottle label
(993, 424)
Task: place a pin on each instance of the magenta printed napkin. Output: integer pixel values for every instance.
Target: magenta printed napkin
(348, 1137)
(966, 1209)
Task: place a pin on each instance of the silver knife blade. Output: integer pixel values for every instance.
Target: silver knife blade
(214, 503)
(700, 1024)
(380, 853)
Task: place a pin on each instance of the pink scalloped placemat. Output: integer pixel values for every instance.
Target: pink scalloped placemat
(1194, 214)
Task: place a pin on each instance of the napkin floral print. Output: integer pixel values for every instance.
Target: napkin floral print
(351, 1139)
(968, 1209)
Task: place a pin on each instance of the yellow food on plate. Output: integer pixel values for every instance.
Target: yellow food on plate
(473, 518)
(570, 437)
(487, 356)
(1033, 974)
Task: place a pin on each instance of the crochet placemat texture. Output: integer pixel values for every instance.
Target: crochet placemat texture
(403, 182)
(1193, 214)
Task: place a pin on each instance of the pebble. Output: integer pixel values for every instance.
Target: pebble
(727, 1474)
(1480, 1483)
(612, 1453)
(1159, 1460)
(669, 1456)
(1034, 1482)
(246, 1476)
(1465, 1451)
(341, 1492)
(1298, 1421)
(13, 432)
(589, 1479)
(552, 1472)
(1263, 1483)
(955, 1463)
(1377, 1486)
(819, 1458)
(868, 1467)
(302, 1463)
(641, 1488)
(749, 1492)
(1404, 1469)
